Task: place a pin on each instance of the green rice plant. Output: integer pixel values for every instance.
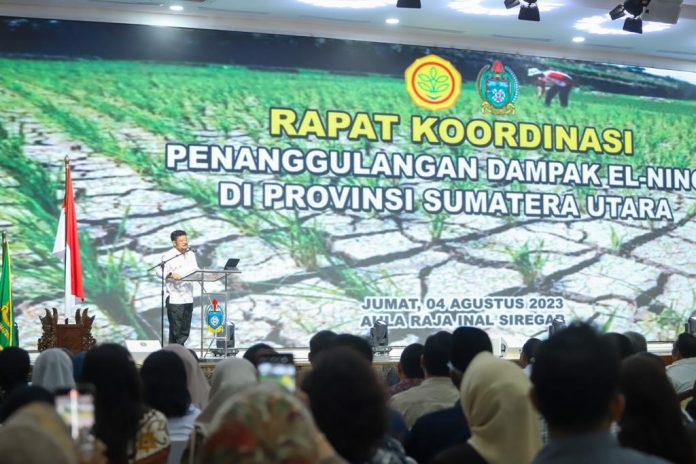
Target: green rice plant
(437, 225)
(529, 263)
(36, 217)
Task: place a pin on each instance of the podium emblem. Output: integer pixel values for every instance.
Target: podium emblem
(215, 317)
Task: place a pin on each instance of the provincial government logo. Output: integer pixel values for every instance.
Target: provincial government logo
(214, 317)
(498, 87)
(433, 83)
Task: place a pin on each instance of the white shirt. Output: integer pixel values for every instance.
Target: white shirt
(180, 428)
(682, 374)
(433, 394)
(183, 264)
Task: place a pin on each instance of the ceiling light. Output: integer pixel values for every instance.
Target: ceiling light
(511, 3)
(354, 4)
(529, 12)
(602, 25)
(176, 7)
(578, 39)
(392, 21)
(408, 3)
(633, 25)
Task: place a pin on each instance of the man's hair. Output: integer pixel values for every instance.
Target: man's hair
(467, 342)
(686, 345)
(530, 348)
(575, 377)
(410, 361)
(640, 345)
(176, 234)
(436, 354)
(358, 344)
(254, 351)
(319, 342)
(621, 344)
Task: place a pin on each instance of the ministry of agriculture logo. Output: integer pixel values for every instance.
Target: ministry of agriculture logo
(214, 317)
(433, 83)
(498, 88)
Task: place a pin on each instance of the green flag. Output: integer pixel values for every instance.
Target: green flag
(8, 337)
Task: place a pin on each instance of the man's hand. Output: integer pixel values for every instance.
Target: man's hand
(174, 276)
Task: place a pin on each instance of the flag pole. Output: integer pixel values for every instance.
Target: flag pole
(65, 245)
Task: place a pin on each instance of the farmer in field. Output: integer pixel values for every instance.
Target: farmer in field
(552, 83)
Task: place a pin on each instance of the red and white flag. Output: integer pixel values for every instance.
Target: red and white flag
(67, 246)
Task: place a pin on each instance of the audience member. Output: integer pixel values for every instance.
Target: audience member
(439, 430)
(682, 371)
(528, 355)
(131, 432)
(397, 427)
(409, 369)
(196, 382)
(21, 397)
(36, 435)
(164, 384)
(77, 362)
(14, 369)
(638, 342)
(266, 425)
(254, 352)
(318, 343)
(349, 405)
(358, 344)
(436, 392)
(53, 369)
(652, 420)
(621, 344)
(576, 388)
(504, 426)
(230, 377)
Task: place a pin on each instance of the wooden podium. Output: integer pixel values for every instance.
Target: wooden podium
(73, 337)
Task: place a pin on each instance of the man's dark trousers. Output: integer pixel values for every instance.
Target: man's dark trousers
(179, 316)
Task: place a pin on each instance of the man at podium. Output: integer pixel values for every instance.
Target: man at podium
(178, 262)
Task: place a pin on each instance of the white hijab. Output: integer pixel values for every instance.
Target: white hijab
(495, 398)
(53, 369)
(196, 383)
(230, 377)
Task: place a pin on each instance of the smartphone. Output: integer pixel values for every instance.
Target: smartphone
(76, 407)
(278, 368)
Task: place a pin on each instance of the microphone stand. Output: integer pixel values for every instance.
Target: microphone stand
(161, 266)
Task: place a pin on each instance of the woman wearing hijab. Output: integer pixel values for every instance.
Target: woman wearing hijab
(132, 432)
(231, 376)
(195, 378)
(36, 435)
(504, 426)
(266, 425)
(53, 369)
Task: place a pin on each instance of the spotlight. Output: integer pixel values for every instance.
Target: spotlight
(633, 25)
(618, 12)
(529, 12)
(556, 326)
(226, 339)
(379, 337)
(408, 4)
(690, 325)
(511, 3)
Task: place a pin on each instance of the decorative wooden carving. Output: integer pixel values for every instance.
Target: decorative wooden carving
(74, 337)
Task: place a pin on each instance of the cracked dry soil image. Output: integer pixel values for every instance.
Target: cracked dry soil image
(303, 271)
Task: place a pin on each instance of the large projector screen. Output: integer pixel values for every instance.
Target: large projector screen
(355, 181)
